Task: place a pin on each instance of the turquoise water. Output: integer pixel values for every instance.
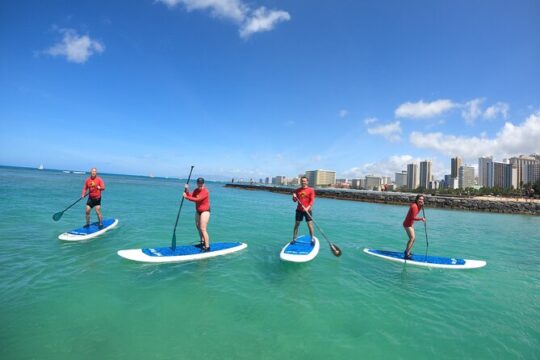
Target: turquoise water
(81, 301)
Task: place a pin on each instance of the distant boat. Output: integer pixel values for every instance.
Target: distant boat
(66, 171)
(40, 167)
(79, 172)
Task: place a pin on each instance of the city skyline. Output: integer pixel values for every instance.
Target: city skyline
(247, 89)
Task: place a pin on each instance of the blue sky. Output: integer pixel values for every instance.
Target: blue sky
(264, 88)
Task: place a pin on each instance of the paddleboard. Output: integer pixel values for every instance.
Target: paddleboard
(85, 233)
(429, 261)
(301, 250)
(181, 253)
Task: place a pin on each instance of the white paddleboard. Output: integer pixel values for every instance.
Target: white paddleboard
(181, 253)
(85, 233)
(301, 250)
(429, 261)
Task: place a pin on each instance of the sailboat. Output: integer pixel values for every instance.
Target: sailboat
(40, 167)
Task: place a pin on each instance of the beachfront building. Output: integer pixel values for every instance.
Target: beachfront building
(531, 174)
(373, 182)
(503, 175)
(465, 177)
(357, 183)
(520, 163)
(483, 173)
(450, 182)
(321, 177)
(455, 163)
(401, 179)
(425, 173)
(412, 176)
(279, 180)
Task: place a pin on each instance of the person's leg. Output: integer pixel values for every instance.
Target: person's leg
(98, 213)
(295, 231)
(311, 232)
(410, 243)
(203, 224)
(198, 226)
(88, 208)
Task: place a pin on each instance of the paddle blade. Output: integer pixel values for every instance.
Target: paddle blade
(57, 216)
(335, 250)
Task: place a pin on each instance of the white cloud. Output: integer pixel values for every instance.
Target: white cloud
(422, 110)
(370, 120)
(497, 109)
(343, 113)
(511, 140)
(385, 167)
(250, 21)
(390, 131)
(75, 48)
(472, 110)
(262, 20)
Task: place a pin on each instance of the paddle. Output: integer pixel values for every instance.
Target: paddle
(335, 250)
(425, 230)
(173, 245)
(59, 214)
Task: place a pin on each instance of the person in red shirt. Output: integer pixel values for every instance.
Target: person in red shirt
(305, 196)
(201, 198)
(408, 223)
(95, 185)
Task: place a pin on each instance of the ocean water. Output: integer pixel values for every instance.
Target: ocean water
(63, 300)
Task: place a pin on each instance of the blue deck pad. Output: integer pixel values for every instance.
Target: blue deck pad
(421, 258)
(183, 250)
(302, 246)
(94, 227)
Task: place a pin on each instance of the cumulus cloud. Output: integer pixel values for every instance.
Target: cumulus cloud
(76, 48)
(370, 120)
(389, 131)
(498, 109)
(262, 20)
(250, 21)
(511, 140)
(424, 110)
(472, 110)
(385, 167)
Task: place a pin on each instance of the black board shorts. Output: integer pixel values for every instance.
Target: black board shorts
(93, 202)
(300, 215)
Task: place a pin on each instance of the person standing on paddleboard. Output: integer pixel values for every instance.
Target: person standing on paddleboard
(305, 196)
(408, 223)
(201, 198)
(95, 185)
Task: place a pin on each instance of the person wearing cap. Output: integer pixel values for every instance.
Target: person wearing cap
(201, 197)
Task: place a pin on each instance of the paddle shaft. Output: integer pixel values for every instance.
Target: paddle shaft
(335, 250)
(173, 245)
(425, 230)
(59, 214)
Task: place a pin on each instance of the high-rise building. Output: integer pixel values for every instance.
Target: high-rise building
(425, 173)
(504, 175)
(279, 180)
(401, 179)
(357, 183)
(531, 175)
(483, 171)
(321, 177)
(454, 166)
(465, 177)
(520, 163)
(412, 176)
(373, 182)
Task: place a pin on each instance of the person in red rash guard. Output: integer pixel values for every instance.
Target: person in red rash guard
(201, 198)
(408, 223)
(305, 196)
(95, 185)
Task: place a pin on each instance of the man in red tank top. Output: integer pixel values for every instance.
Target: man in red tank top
(95, 185)
(408, 223)
(305, 196)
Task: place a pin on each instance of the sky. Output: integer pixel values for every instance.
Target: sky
(250, 89)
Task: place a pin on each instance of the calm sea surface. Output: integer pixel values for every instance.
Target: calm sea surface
(63, 300)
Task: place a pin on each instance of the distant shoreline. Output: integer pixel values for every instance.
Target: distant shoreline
(480, 203)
